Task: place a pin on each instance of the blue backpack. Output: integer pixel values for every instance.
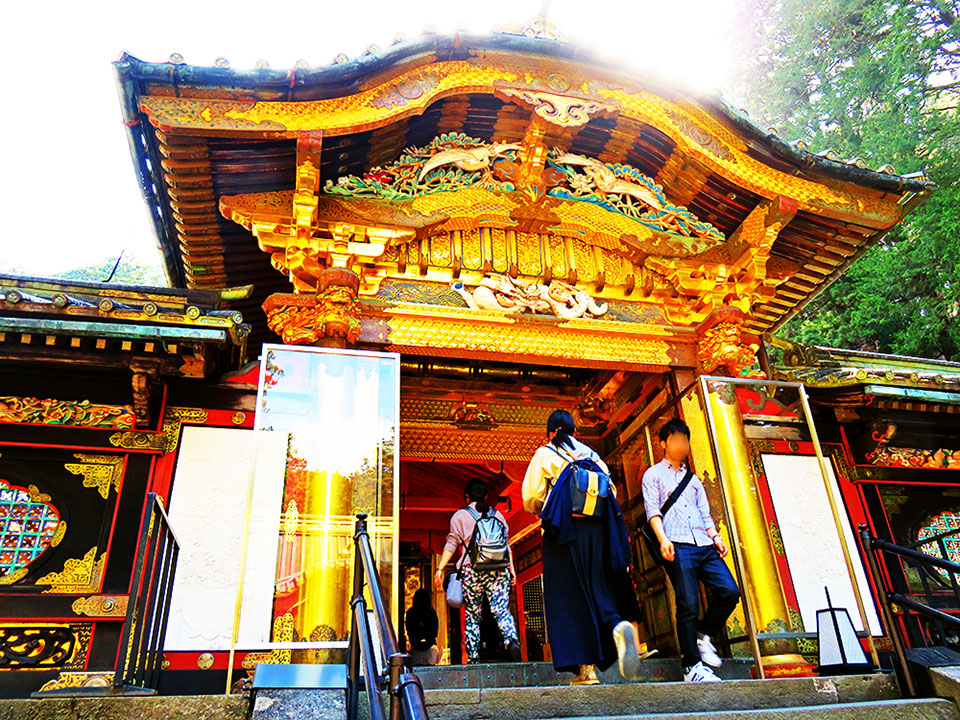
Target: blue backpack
(589, 486)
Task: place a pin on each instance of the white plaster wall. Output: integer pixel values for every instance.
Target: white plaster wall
(207, 507)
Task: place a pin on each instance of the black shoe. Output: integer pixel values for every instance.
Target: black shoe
(514, 649)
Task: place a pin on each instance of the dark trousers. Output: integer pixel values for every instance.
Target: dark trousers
(580, 599)
(693, 564)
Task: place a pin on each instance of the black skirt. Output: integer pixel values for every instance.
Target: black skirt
(583, 600)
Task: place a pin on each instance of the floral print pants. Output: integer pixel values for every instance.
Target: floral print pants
(495, 584)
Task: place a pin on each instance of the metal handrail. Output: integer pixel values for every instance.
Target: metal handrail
(933, 538)
(145, 627)
(911, 554)
(404, 687)
(889, 595)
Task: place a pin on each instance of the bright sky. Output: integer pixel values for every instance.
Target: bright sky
(68, 193)
(338, 406)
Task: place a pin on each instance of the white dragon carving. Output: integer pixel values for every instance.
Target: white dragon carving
(506, 294)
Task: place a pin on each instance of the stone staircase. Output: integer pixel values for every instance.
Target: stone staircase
(533, 691)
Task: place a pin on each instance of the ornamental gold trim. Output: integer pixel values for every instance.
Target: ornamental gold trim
(99, 471)
(78, 576)
(282, 632)
(560, 110)
(697, 133)
(139, 440)
(15, 576)
(79, 680)
(30, 410)
(595, 342)
(58, 534)
(589, 243)
(101, 605)
(432, 442)
(173, 418)
(44, 645)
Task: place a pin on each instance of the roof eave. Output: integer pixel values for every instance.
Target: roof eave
(911, 203)
(148, 177)
(343, 78)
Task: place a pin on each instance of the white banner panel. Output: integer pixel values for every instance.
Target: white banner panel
(811, 542)
(207, 507)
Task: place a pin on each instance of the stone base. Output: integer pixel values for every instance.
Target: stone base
(827, 697)
(191, 707)
(295, 704)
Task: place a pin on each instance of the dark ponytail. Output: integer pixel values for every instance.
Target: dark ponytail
(561, 422)
(477, 492)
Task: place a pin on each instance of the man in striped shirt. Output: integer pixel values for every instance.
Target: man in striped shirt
(693, 551)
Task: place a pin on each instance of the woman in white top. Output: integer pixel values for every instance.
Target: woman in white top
(584, 598)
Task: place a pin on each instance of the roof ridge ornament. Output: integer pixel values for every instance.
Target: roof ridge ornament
(539, 27)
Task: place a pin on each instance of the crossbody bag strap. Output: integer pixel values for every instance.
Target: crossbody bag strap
(568, 460)
(466, 546)
(677, 492)
(563, 457)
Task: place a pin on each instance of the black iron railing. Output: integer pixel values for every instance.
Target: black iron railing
(367, 644)
(910, 622)
(141, 644)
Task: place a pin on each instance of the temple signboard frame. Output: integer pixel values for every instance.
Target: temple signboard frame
(325, 440)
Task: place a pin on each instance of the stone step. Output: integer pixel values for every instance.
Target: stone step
(542, 674)
(927, 709)
(548, 703)
(184, 707)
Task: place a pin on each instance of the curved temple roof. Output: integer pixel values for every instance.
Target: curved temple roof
(200, 134)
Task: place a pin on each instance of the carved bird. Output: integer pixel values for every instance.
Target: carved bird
(608, 183)
(470, 159)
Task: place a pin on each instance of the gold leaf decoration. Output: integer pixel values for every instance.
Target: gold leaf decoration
(77, 576)
(98, 471)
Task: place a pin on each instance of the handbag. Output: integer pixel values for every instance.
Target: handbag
(455, 590)
(646, 531)
(589, 488)
(455, 585)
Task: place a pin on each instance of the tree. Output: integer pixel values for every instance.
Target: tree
(130, 271)
(879, 80)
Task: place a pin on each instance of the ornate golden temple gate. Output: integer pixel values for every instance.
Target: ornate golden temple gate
(485, 419)
(606, 279)
(456, 253)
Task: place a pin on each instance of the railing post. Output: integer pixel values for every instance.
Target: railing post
(123, 659)
(353, 653)
(406, 692)
(140, 656)
(866, 541)
(396, 668)
(411, 694)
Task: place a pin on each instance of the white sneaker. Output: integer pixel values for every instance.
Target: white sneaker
(628, 650)
(700, 673)
(708, 653)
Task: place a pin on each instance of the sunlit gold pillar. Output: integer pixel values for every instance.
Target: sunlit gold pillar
(758, 562)
(325, 593)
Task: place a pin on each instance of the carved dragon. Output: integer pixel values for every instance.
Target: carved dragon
(503, 293)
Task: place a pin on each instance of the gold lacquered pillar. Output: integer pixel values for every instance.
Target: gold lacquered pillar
(325, 593)
(763, 588)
